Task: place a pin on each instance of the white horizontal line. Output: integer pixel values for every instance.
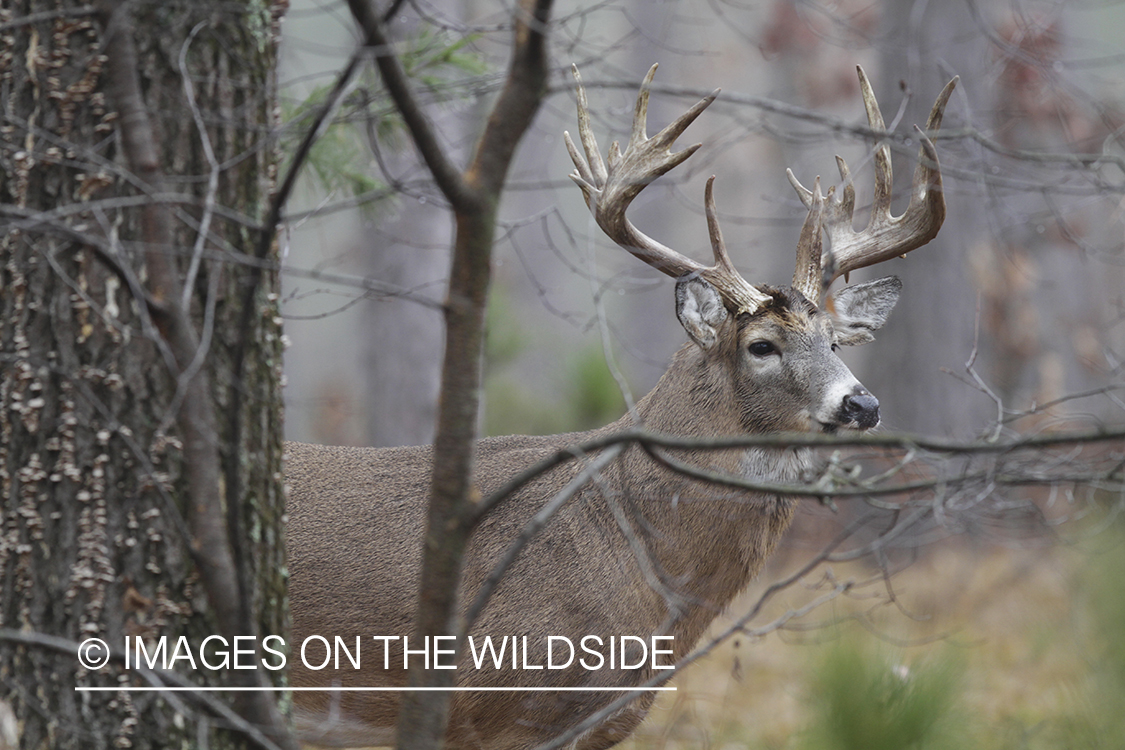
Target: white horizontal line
(202, 689)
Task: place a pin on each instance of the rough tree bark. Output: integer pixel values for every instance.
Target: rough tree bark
(140, 355)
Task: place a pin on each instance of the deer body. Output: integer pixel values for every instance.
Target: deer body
(587, 579)
(644, 550)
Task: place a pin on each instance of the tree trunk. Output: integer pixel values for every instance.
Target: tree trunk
(100, 530)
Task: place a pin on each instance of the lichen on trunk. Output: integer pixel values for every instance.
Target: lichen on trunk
(94, 533)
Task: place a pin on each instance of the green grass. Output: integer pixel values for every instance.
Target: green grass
(865, 695)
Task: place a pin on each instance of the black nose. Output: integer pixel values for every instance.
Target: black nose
(863, 409)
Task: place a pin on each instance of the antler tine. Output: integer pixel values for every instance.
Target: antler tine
(739, 295)
(884, 176)
(885, 236)
(802, 192)
(847, 200)
(807, 273)
(609, 187)
(937, 112)
(718, 247)
(927, 175)
(639, 134)
(589, 170)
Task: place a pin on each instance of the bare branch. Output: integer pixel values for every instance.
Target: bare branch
(212, 176)
(528, 532)
(447, 176)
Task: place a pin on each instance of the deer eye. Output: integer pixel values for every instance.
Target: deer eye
(762, 348)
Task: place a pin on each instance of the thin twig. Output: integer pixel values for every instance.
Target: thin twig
(212, 177)
(532, 527)
(48, 15)
(447, 176)
(790, 440)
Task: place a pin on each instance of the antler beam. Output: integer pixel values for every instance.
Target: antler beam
(609, 187)
(885, 236)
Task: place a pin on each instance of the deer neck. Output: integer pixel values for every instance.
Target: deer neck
(672, 513)
(695, 397)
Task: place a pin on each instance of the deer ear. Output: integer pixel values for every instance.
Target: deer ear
(858, 310)
(700, 309)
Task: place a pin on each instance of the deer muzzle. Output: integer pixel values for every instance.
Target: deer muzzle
(861, 409)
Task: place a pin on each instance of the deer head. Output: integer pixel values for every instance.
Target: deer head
(775, 344)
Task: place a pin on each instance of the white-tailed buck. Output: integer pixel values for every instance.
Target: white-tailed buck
(642, 549)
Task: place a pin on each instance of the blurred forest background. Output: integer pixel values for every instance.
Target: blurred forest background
(1012, 321)
(1031, 253)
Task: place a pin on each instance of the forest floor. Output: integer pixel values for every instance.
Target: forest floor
(1016, 646)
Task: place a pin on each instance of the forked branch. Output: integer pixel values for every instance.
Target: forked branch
(885, 236)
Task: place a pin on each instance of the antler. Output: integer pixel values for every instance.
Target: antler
(610, 187)
(886, 236)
